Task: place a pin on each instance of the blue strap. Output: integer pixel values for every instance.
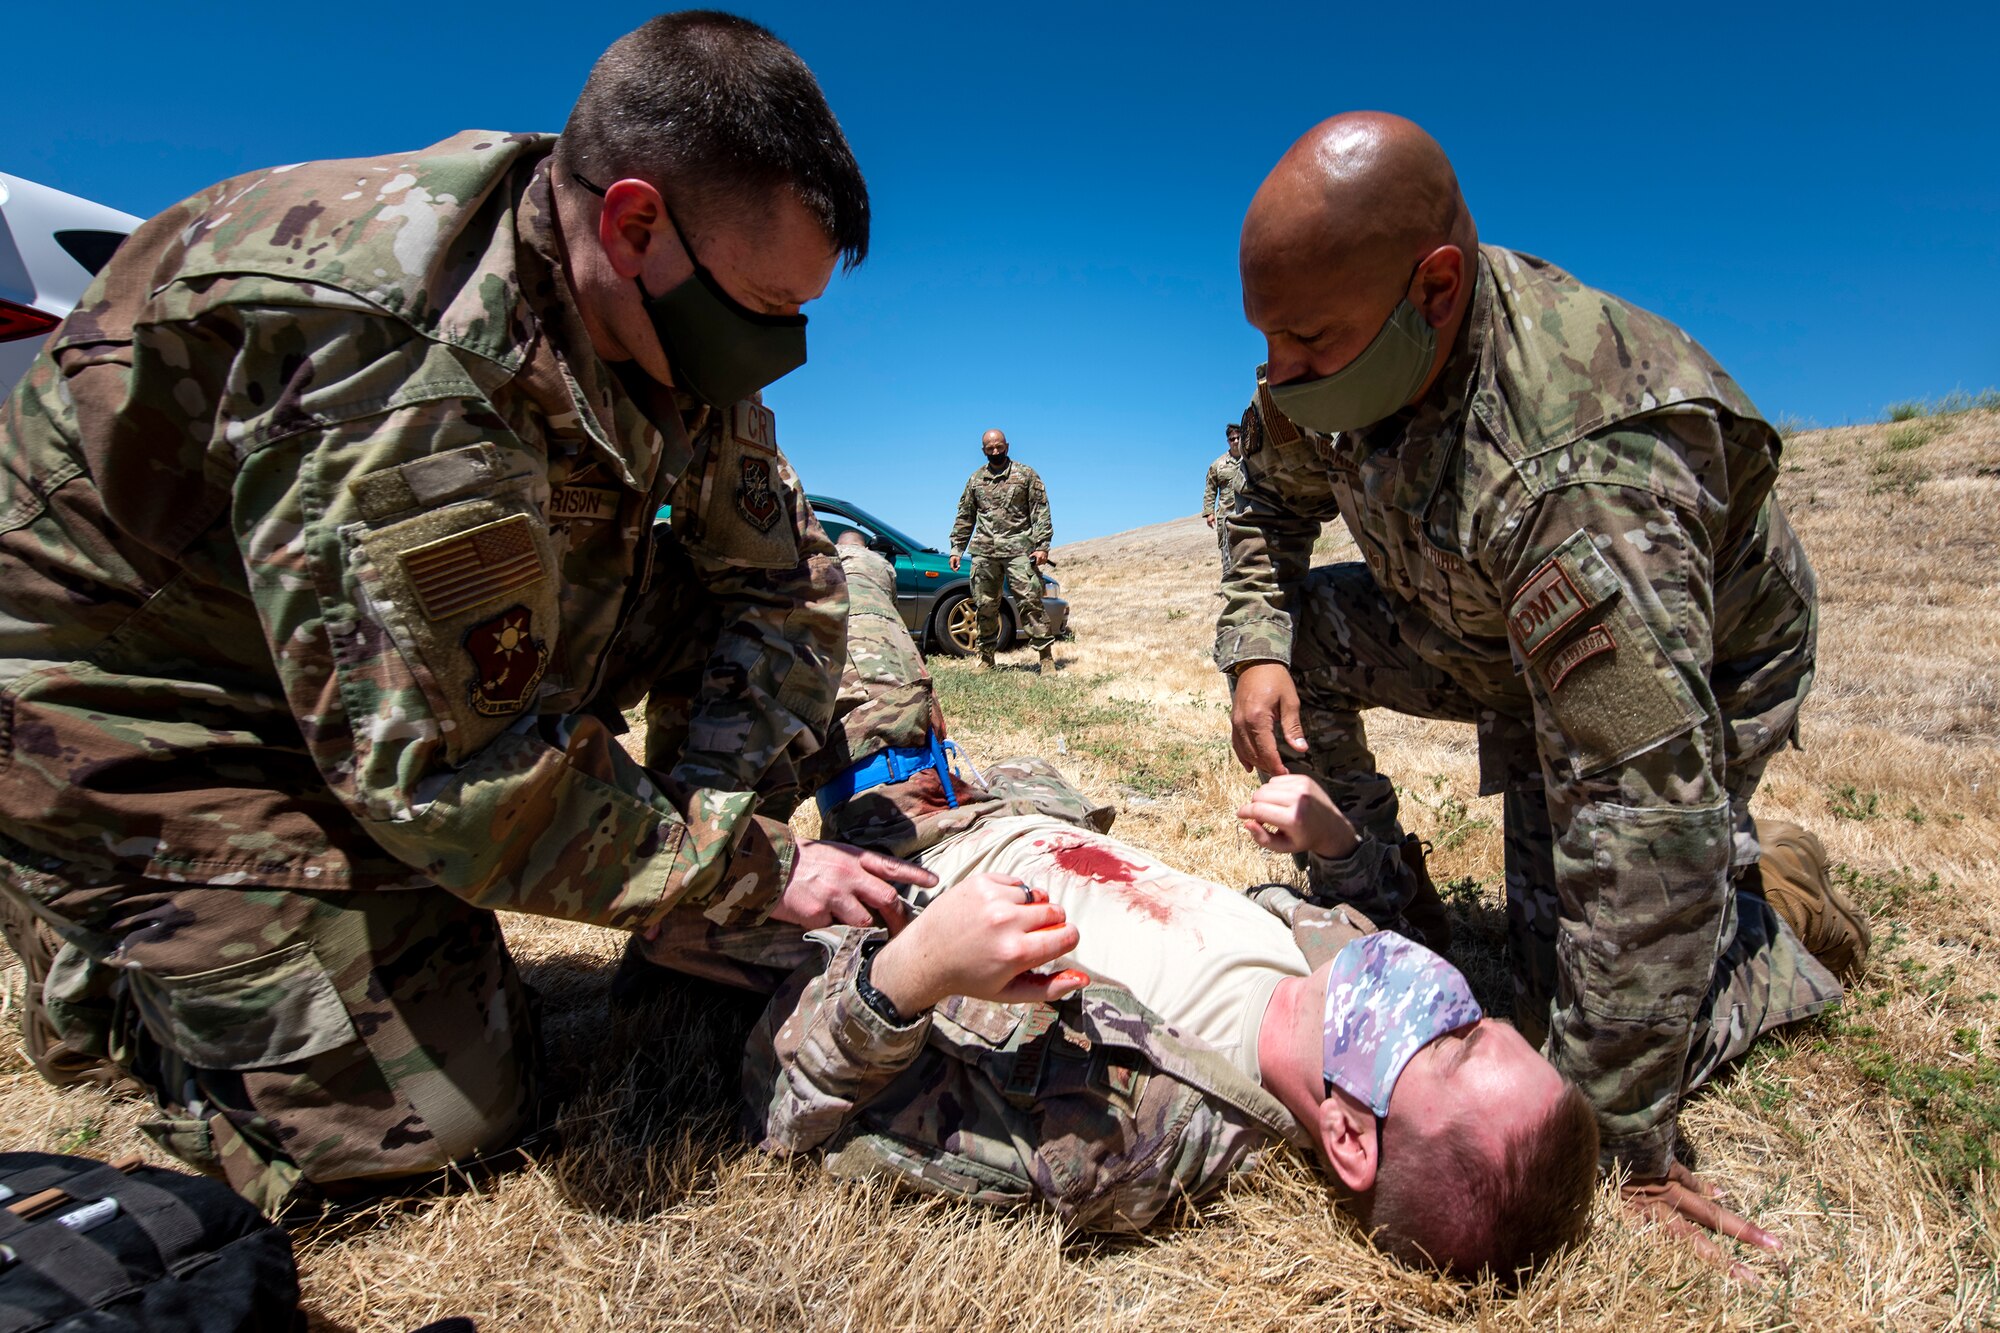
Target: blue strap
(893, 765)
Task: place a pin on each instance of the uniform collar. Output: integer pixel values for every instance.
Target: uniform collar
(578, 389)
(1422, 438)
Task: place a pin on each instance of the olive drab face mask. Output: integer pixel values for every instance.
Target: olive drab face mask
(1376, 384)
(719, 349)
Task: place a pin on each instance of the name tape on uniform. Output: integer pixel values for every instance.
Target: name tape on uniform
(587, 503)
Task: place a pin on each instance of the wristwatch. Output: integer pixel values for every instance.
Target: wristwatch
(883, 1006)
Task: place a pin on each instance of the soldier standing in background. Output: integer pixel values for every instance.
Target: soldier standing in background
(1006, 502)
(330, 566)
(1225, 479)
(1571, 540)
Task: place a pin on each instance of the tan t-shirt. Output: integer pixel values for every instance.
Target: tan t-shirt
(1200, 955)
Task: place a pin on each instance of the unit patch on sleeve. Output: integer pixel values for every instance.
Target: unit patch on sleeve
(1546, 605)
(508, 661)
(472, 568)
(1597, 639)
(755, 498)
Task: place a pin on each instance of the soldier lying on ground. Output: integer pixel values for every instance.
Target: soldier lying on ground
(1181, 1029)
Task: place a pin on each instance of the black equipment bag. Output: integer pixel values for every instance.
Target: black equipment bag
(88, 1247)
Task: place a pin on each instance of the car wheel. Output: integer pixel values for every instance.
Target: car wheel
(955, 624)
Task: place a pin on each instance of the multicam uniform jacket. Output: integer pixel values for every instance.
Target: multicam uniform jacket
(1578, 526)
(323, 534)
(1218, 492)
(1011, 508)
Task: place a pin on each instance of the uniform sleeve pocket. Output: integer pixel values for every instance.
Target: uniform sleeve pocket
(468, 591)
(275, 1009)
(740, 508)
(1598, 668)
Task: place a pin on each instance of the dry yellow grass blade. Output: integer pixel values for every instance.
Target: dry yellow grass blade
(1866, 1142)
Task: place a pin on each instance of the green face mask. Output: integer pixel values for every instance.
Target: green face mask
(720, 350)
(1377, 384)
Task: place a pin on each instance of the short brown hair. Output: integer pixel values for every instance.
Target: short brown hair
(727, 112)
(1440, 1202)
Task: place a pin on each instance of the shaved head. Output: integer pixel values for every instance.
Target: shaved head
(994, 445)
(1336, 231)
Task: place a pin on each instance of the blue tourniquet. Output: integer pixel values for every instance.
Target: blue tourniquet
(887, 766)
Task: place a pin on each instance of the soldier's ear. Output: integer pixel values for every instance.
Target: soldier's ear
(630, 224)
(1350, 1140)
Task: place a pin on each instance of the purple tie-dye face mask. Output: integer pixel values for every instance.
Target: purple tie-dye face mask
(1386, 997)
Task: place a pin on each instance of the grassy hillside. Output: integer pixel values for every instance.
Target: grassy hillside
(1867, 1140)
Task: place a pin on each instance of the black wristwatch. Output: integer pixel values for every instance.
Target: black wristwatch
(884, 1007)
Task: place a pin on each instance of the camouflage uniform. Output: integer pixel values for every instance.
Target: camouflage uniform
(1011, 509)
(328, 567)
(1572, 543)
(1218, 497)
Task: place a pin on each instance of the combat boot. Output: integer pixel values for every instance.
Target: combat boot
(986, 660)
(1045, 661)
(1424, 918)
(1796, 884)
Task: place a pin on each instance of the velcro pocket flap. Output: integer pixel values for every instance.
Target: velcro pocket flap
(438, 479)
(275, 1009)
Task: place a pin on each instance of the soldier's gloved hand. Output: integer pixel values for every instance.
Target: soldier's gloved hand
(1689, 1209)
(1267, 704)
(954, 562)
(1294, 814)
(832, 881)
(983, 937)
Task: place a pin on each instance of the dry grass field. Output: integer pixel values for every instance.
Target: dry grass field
(1866, 1140)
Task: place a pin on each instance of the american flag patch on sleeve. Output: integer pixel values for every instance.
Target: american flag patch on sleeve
(469, 569)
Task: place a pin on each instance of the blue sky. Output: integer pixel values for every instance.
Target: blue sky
(1813, 192)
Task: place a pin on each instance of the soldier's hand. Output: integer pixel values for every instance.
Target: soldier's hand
(954, 562)
(1039, 558)
(1687, 1208)
(1267, 706)
(1294, 814)
(833, 882)
(1208, 519)
(983, 937)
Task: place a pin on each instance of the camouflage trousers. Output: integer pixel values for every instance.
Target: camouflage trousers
(1350, 653)
(1016, 573)
(298, 1044)
(1222, 541)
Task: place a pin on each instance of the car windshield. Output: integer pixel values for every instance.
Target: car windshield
(847, 515)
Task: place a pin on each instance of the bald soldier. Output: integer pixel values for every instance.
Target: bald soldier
(1570, 539)
(329, 567)
(1003, 524)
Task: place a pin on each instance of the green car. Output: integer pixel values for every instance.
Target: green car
(936, 603)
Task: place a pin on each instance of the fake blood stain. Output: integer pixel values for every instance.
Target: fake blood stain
(1109, 868)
